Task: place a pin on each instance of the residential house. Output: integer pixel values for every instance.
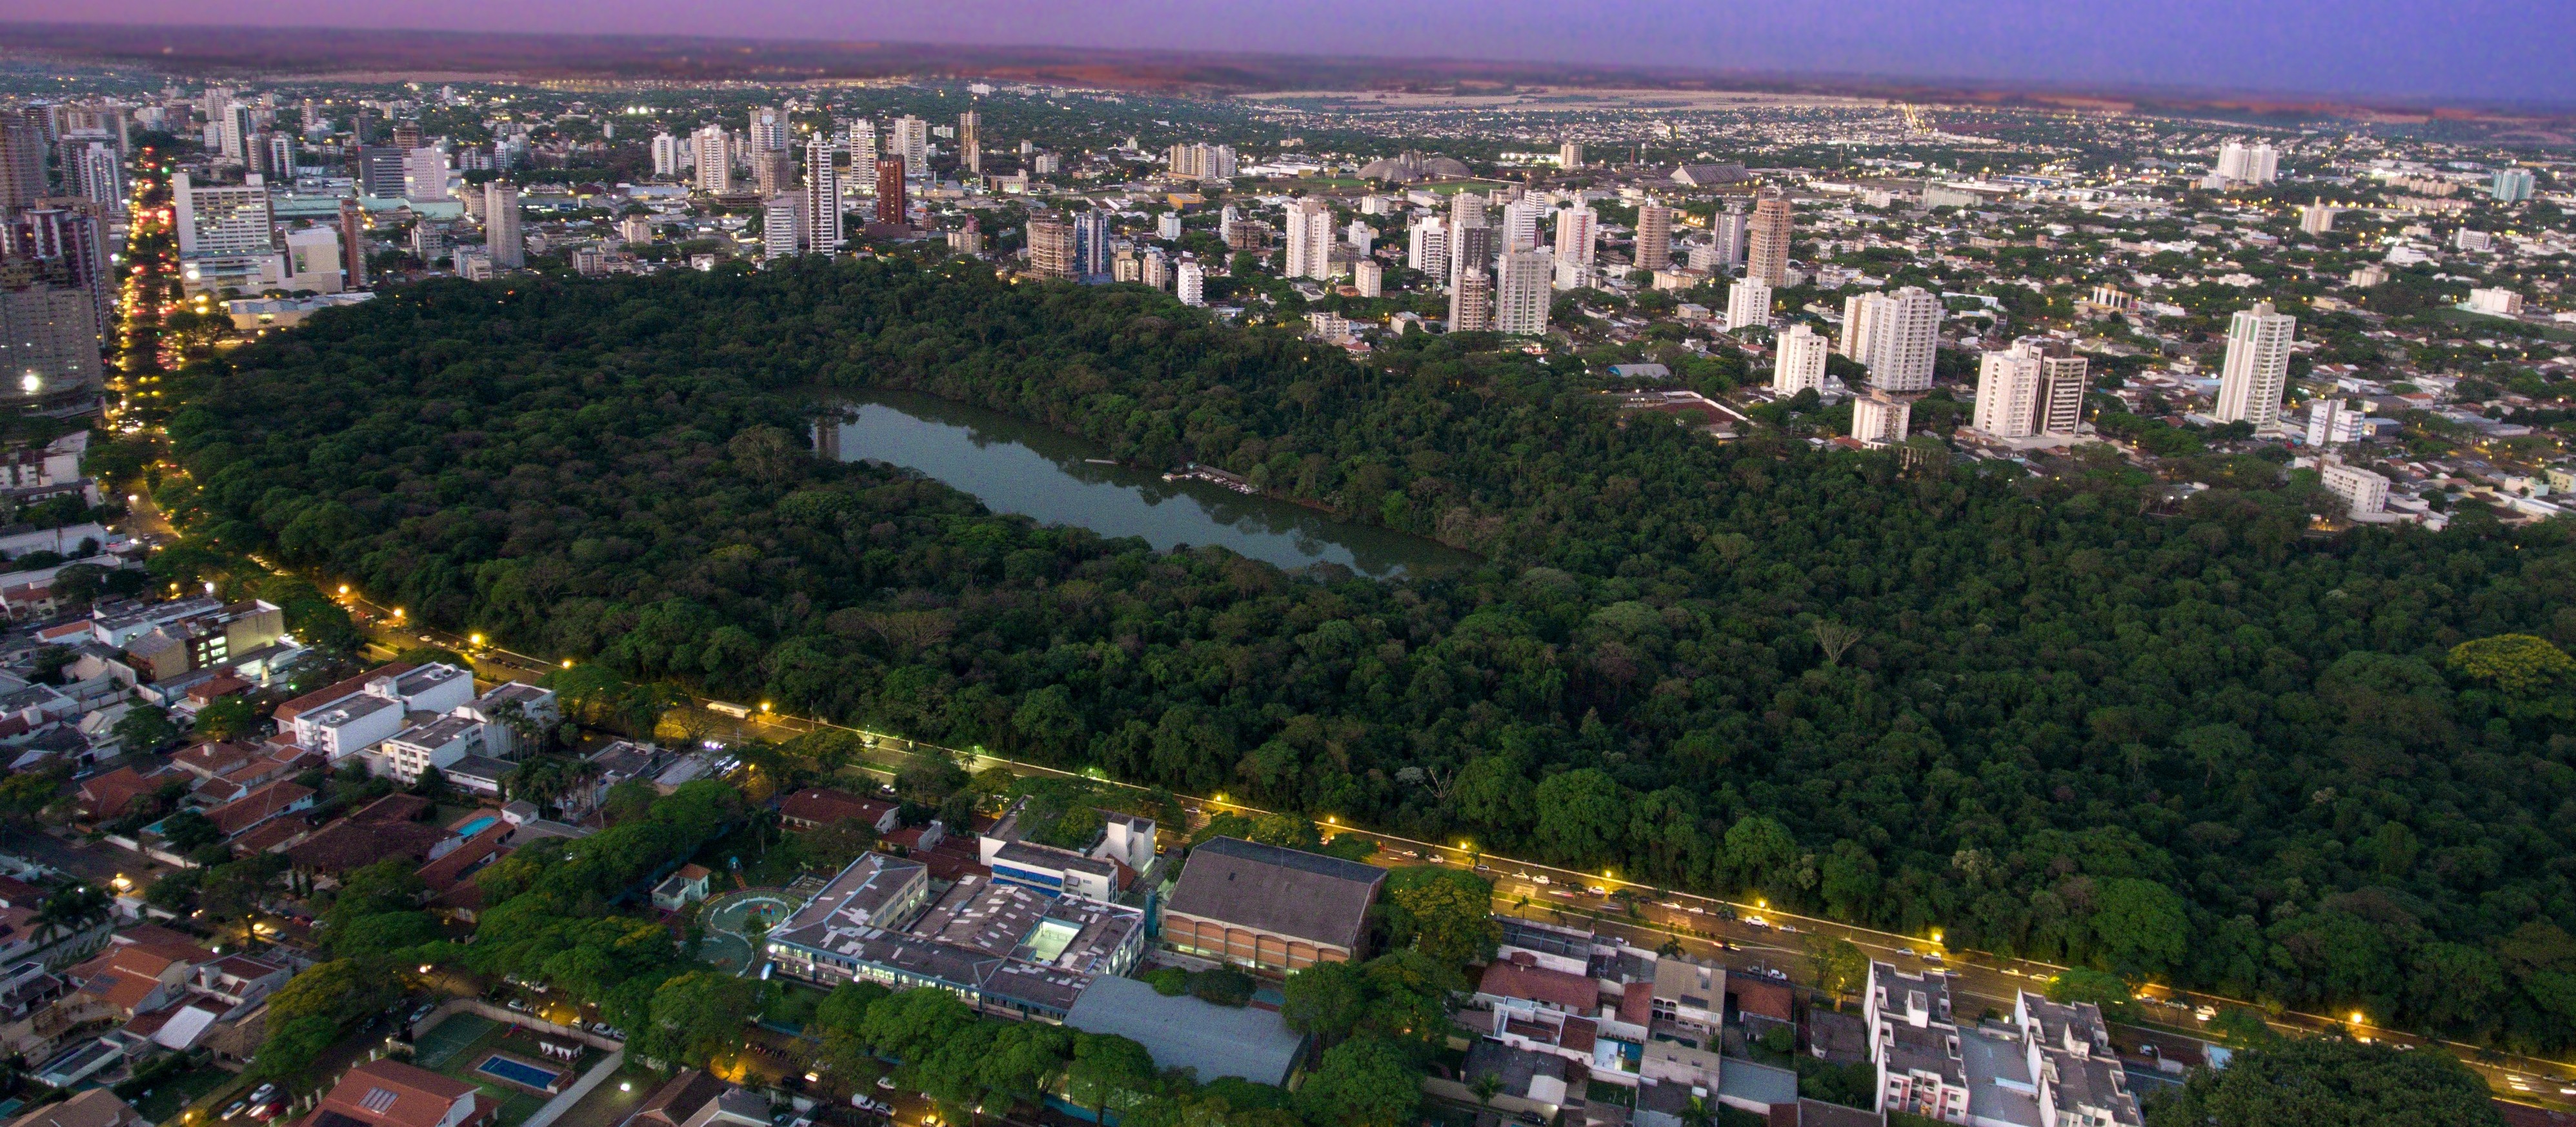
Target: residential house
(389, 1093)
(816, 807)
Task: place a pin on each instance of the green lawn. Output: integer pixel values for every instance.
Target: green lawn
(464, 1053)
(177, 1090)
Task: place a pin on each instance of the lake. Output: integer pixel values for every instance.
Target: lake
(1014, 466)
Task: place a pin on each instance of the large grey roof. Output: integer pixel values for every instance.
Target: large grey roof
(1184, 1032)
(1282, 891)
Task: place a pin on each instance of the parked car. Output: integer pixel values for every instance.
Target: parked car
(239, 1106)
(886, 1082)
(519, 1005)
(270, 1110)
(261, 1094)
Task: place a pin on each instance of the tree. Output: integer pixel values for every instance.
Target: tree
(144, 728)
(1108, 1073)
(1445, 913)
(2333, 1082)
(1362, 1082)
(2107, 991)
(2516, 663)
(228, 717)
(1324, 1000)
(2139, 926)
(697, 1016)
(71, 908)
(1579, 817)
(834, 846)
(1841, 967)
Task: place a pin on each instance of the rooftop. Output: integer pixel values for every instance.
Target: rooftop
(1282, 891)
(1185, 1032)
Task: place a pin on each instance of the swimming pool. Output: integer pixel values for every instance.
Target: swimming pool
(476, 826)
(519, 1072)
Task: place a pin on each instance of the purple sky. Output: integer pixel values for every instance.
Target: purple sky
(2493, 50)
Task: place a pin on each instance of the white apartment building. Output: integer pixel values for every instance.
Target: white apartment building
(2333, 422)
(1880, 419)
(1426, 246)
(2496, 301)
(1800, 364)
(667, 161)
(348, 718)
(1521, 293)
(2258, 163)
(1369, 277)
(2365, 494)
(2024, 393)
(1914, 1042)
(2257, 367)
(1308, 228)
(782, 225)
(714, 149)
(1896, 335)
(219, 220)
(1578, 229)
(1748, 305)
(1190, 283)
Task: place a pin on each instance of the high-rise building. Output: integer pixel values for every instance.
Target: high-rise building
(1201, 161)
(407, 135)
(277, 155)
(773, 173)
(2365, 494)
(2257, 368)
(822, 197)
(1190, 284)
(380, 171)
(970, 144)
(1880, 419)
(860, 138)
(1309, 231)
(1091, 242)
(313, 260)
(1767, 239)
(1158, 269)
(238, 126)
(891, 206)
(1521, 221)
(1522, 291)
(1167, 226)
(1426, 247)
(1654, 236)
(1051, 247)
(501, 226)
(2316, 218)
(49, 338)
(2512, 185)
(1578, 228)
(1471, 301)
(425, 174)
(1729, 232)
(782, 226)
(766, 130)
(1800, 364)
(1570, 155)
(1748, 304)
(1896, 335)
(70, 247)
(713, 148)
(353, 244)
(97, 174)
(2009, 392)
(2258, 163)
(22, 161)
(666, 156)
(217, 220)
(912, 143)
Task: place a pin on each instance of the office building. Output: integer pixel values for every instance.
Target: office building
(2257, 368)
(713, 149)
(1308, 227)
(1426, 247)
(501, 226)
(666, 156)
(911, 141)
(1471, 302)
(822, 197)
(1051, 245)
(1767, 239)
(220, 219)
(1654, 236)
(1578, 228)
(2333, 422)
(2511, 185)
(380, 171)
(891, 207)
(2365, 494)
(1748, 304)
(1190, 283)
(1522, 292)
(1895, 335)
(1091, 242)
(782, 225)
(407, 135)
(49, 337)
(970, 145)
(1569, 155)
(1800, 365)
(1880, 419)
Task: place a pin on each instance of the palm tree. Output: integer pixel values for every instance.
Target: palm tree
(1698, 1112)
(72, 909)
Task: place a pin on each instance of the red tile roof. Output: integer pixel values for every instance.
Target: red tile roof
(109, 795)
(1521, 977)
(393, 1094)
(258, 806)
(286, 713)
(822, 806)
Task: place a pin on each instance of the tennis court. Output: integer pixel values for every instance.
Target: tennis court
(434, 1049)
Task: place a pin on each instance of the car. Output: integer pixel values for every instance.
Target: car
(1790, 928)
(239, 1106)
(1932, 956)
(602, 1028)
(270, 1110)
(426, 1009)
(1597, 890)
(1907, 951)
(1540, 880)
(1756, 921)
(261, 1094)
(865, 1104)
(1696, 910)
(886, 1082)
(519, 1005)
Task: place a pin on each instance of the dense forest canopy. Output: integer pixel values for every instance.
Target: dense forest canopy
(2065, 718)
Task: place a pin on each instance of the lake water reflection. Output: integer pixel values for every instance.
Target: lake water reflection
(1014, 466)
